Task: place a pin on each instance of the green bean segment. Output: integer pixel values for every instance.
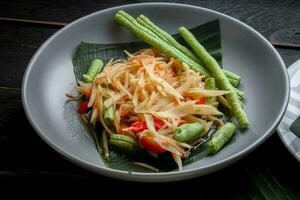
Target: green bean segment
(210, 84)
(109, 115)
(232, 75)
(189, 132)
(222, 136)
(234, 82)
(240, 93)
(93, 70)
(123, 142)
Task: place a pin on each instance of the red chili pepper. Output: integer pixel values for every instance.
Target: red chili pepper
(158, 124)
(201, 100)
(138, 126)
(148, 144)
(83, 107)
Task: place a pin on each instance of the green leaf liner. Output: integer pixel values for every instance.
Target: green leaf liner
(209, 36)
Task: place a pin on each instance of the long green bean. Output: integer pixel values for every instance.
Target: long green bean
(188, 131)
(144, 24)
(218, 74)
(123, 142)
(109, 115)
(232, 75)
(149, 37)
(135, 23)
(130, 23)
(222, 136)
(93, 70)
(233, 82)
(240, 93)
(167, 37)
(163, 35)
(210, 84)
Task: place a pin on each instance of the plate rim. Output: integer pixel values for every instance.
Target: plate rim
(136, 176)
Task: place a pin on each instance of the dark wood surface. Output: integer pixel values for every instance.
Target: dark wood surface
(29, 165)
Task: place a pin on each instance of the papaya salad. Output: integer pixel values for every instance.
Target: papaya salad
(161, 99)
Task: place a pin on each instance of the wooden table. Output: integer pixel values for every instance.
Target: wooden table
(29, 165)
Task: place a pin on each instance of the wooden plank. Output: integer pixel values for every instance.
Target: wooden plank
(18, 43)
(59, 11)
(259, 15)
(30, 21)
(38, 173)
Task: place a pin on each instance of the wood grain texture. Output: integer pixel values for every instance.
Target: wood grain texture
(35, 22)
(265, 16)
(55, 10)
(18, 43)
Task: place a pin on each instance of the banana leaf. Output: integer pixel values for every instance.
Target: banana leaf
(208, 35)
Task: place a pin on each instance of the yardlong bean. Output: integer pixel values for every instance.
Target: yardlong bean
(130, 23)
(218, 74)
(189, 131)
(93, 70)
(222, 136)
(166, 37)
(210, 84)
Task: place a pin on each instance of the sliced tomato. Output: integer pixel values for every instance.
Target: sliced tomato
(83, 107)
(158, 123)
(148, 144)
(201, 100)
(138, 126)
